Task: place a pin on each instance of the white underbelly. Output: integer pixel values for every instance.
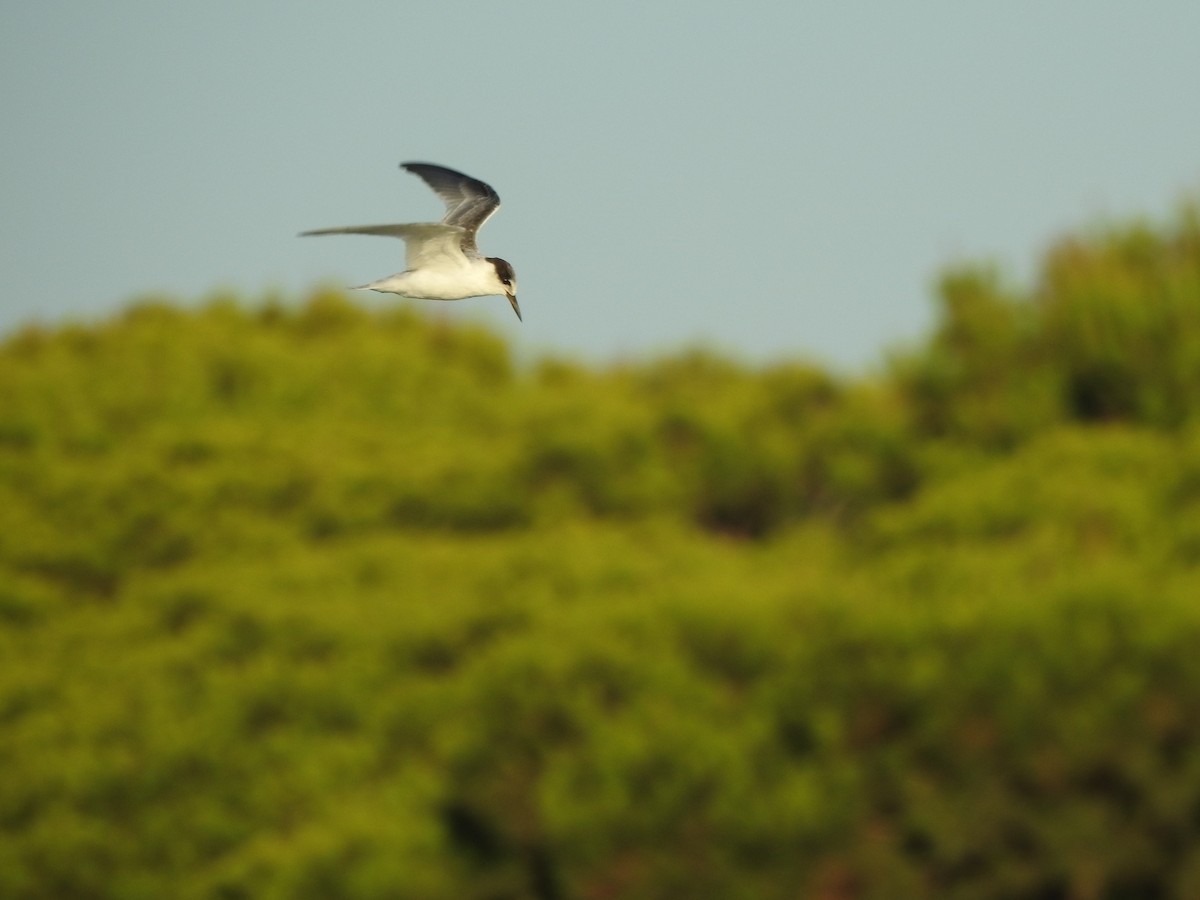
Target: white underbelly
(436, 284)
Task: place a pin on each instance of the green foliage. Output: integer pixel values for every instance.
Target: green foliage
(1111, 333)
(311, 602)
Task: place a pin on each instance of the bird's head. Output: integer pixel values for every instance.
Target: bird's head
(508, 281)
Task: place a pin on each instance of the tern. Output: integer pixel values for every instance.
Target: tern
(441, 258)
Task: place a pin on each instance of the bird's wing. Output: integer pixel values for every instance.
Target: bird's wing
(424, 242)
(469, 202)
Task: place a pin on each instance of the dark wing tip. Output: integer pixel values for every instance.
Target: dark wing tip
(428, 168)
(443, 178)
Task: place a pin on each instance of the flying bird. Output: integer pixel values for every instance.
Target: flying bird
(441, 259)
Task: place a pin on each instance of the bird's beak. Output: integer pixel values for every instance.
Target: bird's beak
(512, 298)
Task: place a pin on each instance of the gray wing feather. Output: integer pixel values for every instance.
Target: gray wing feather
(423, 241)
(399, 231)
(469, 201)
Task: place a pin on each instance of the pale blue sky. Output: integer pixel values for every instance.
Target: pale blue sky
(774, 179)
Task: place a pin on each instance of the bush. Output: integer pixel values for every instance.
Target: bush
(308, 601)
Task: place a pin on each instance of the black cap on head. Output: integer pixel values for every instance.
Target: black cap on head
(503, 270)
(508, 278)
